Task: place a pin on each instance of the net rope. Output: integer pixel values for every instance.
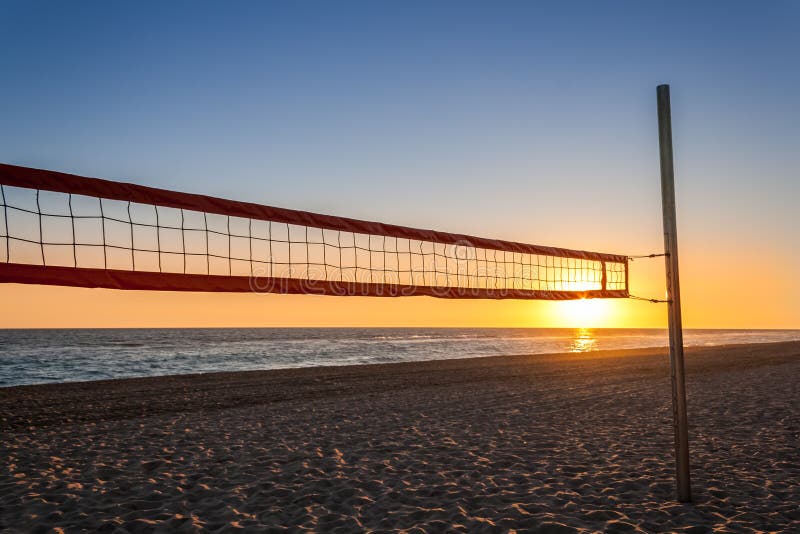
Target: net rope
(68, 230)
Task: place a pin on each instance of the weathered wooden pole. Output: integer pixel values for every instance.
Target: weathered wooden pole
(673, 297)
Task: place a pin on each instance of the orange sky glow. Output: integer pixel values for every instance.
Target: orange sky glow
(709, 301)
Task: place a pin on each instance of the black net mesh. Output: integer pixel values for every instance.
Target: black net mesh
(40, 227)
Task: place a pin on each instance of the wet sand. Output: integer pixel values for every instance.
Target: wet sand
(553, 443)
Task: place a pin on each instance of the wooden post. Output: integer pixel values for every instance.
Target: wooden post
(673, 297)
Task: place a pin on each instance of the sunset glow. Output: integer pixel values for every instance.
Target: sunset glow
(586, 313)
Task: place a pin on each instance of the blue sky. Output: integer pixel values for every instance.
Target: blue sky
(520, 120)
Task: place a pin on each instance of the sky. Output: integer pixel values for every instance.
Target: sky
(525, 121)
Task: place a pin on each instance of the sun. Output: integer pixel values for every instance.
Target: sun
(585, 313)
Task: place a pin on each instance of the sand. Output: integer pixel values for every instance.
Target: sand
(557, 443)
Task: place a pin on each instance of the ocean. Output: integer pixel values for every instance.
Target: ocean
(45, 356)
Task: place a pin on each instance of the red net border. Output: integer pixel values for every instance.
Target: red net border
(54, 181)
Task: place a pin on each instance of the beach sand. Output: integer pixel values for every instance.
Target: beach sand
(553, 443)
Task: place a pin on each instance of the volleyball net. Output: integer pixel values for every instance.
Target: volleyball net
(62, 229)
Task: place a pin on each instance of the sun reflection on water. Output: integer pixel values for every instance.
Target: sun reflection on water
(583, 340)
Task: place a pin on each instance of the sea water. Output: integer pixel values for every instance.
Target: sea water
(42, 356)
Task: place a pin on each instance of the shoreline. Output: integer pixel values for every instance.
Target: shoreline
(633, 350)
(117, 391)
